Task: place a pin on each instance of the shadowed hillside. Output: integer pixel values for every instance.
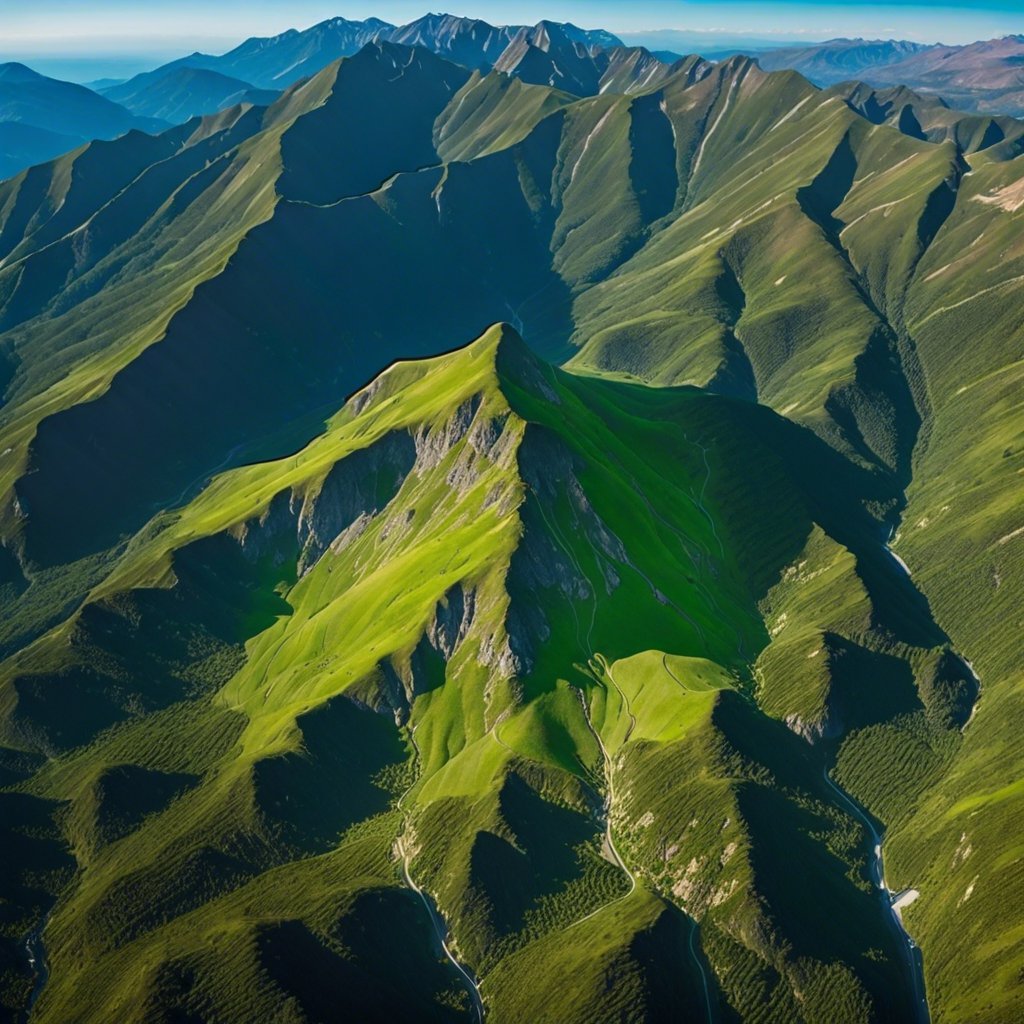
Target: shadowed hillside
(637, 643)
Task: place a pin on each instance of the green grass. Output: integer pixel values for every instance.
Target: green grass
(481, 569)
(455, 629)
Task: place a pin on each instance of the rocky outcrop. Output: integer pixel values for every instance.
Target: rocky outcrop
(434, 441)
(815, 730)
(310, 522)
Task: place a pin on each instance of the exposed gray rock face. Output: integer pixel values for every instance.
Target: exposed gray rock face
(547, 466)
(351, 533)
(593, 525)
(435, 442)
(826, 727)
(360, 485)
(489, 440)
(485, 434)
(515, 656)
(271, 532)
(361, 400)
(452, 621)
(353, 492)
(407, 678)
(402, 679)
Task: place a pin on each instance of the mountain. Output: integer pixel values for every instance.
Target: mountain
(588, 37)
(279, 61)
(178, 94)
(929, 117)
(22, 145)
(984, 76)
(548, 54)
(839, 60)
(99, 84)
(658, 639)
(537, 612)
(467, 41)
(709, 42)
(63, 108)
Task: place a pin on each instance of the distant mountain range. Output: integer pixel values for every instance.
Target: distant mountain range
(987, 76)
(176, 94)
(838, 60)
(53, 116)
(42, 117)
(276, 62)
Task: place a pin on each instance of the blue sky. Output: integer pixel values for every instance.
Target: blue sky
(167, 27)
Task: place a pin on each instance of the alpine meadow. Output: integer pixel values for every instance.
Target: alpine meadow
(497, 524)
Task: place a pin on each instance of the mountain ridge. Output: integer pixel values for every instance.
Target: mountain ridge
(181, 93)
(449, 436)
(978, 76)
(258, 60)
(524, 595)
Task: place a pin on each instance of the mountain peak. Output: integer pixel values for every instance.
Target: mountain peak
(14, 72)
(515, 363)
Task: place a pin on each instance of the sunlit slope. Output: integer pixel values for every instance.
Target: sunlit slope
(759, 286)
(929, 117)
(961, 536)
(472, 629)
(626, 223)
(174, 307)
(277, 193)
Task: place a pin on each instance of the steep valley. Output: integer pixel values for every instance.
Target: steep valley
(565, 674)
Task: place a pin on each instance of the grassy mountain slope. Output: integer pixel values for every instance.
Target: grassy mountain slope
(928, 117)
(961, 537)
(454, 621)
(474, 545)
